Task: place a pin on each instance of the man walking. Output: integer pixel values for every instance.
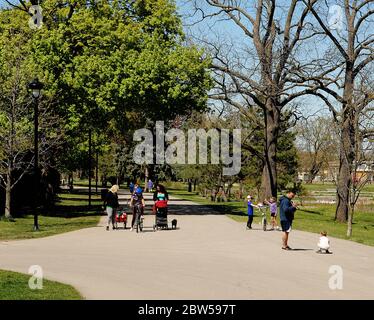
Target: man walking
(286, 212)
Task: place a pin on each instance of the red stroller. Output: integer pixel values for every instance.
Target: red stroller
(121, 216)
(161, 219)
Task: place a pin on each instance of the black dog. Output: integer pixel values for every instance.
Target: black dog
(174, 224)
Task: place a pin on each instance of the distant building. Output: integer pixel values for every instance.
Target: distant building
(330, 173)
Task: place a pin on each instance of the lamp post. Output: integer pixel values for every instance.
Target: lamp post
(35, 86)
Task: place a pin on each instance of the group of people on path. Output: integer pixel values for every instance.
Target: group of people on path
(287, 209)
(137, 201)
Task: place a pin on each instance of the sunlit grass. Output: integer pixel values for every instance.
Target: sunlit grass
(14, 286)
(313, 218)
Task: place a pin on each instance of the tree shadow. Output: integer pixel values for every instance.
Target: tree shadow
(310, 211)
(189, 209)
(74, 211)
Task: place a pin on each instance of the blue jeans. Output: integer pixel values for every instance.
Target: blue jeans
(111, 212)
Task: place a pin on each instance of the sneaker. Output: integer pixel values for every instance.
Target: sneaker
(107, 228)
(131, 228)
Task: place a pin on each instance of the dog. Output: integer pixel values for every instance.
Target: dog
(174, 224)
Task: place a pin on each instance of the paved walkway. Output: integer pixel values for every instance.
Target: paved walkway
(208, 257)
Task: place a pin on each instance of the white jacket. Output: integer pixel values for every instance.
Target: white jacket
(324, 243)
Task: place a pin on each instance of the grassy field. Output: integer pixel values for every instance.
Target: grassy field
(71, 213)
(22, 228)
(313, 218)
(14, 286)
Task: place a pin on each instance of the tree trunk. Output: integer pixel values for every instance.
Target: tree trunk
(223, 194)
(194, 185)
(347, 149)
(350, 222)
(342, 192)
(189, 185)
(8, 195)
(89, 167)
(269, 174)
(241, 189)
(97, 172)
(146, 178)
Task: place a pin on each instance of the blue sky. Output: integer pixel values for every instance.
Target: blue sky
(227, 30)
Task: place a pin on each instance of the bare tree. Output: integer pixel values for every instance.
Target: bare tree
(353, 43)
(317, 144)
(257, 74)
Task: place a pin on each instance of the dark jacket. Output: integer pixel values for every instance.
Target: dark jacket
(111, 200)
(286, 209)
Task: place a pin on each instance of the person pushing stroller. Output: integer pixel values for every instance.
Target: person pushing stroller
(161, 197)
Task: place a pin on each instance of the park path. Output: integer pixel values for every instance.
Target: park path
(208, 257)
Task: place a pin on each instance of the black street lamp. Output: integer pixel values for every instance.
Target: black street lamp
(35, 86)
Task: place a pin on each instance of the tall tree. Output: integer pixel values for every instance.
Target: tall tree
(118, 66)
(352, 39)
(16, 130)
(257, 74)
(16, 125)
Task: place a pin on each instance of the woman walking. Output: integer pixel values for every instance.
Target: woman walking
(111, 205)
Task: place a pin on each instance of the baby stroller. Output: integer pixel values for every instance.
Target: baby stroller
(121, 216)
(161, 220)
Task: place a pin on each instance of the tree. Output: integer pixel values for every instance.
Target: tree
(363, 163)
(352, 41)
(317, 144)
(16, 131)
(16, 125)
(119, 66)
(258, 73)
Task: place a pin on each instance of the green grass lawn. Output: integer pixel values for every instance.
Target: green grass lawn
(71, 213)
(313, 218)
(14, 286)
(22, 228)
(76, 199)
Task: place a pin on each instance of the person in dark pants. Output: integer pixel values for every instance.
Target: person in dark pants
(111, 204)
(137, 202)
(250, 212)
(286, 212)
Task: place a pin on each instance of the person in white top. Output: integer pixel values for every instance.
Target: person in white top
(324, 243)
